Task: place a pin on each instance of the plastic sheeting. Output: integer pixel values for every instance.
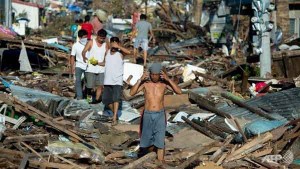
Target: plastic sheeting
(78, 149)
(73, 108)
(262, 126)
(125, 113)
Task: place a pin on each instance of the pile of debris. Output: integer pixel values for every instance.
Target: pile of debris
(223, 129)
(225, 118)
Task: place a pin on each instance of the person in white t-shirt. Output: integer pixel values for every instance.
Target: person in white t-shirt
(79, 66)
(95, 50)
(113, 76)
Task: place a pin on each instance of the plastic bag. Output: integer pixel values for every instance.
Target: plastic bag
(78, 150)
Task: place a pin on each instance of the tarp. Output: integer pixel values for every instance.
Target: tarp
(72, 107)
(61, 47)
(74, 8)
(6, 33)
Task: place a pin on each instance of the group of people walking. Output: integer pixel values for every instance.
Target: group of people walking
(101, 61)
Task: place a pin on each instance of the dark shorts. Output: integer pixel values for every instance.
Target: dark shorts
(153, 129)
(111, 94)
(94, 79)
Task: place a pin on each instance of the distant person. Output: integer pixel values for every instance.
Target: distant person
(87, 26)
(74, 30)
(141, 40)
(154, 117)
(80, 22)
(95, 49)
(113, 76)
(44, 20)
(97, 23)
(135, 18)
(80, 65)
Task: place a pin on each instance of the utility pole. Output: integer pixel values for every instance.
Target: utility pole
(265, 57)
(198, 5)
(8, 14)
(261, 41)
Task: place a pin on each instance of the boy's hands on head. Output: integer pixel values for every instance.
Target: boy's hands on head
(115, 45)
(145, 76)
(164, 76)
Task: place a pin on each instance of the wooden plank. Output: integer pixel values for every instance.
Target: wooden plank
(262, 153)
(195, 156)
(221, 159)
(24, 162)
(204, 103)
(240, 130)
(200, 129)
(140, 161)
(38, 164)
(221, 149)
(288, 53)
(211, 128)
(69, 162)
(199, 99)
(223, 81)
(19, 122)
(31, 111)
(31, 149)
(256, 141)
(13, 139)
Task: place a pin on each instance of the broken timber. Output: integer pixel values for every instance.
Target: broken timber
(195, 156)
(31, 111)
(210, 77)
(250, 146)
(204, 103)
(200, 129)
(140, 161)
(13, 139)
(211, 128)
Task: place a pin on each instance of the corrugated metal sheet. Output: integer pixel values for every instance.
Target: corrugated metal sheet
(284, 105)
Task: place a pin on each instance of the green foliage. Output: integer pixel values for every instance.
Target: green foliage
(23, 14)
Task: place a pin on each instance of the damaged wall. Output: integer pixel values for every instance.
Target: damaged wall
(283, 17)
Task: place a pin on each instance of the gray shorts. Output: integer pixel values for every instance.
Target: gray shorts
(153, 129)
(111, 94)
(143, 43)
(94, 79)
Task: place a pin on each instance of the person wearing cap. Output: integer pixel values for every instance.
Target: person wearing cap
(96, 23)
(113, 76)
(154, 117)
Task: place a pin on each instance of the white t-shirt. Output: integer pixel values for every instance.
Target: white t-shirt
(98, 53)
(77, 49)
(114, 69)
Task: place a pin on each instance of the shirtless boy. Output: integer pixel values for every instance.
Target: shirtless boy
(154, 118)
